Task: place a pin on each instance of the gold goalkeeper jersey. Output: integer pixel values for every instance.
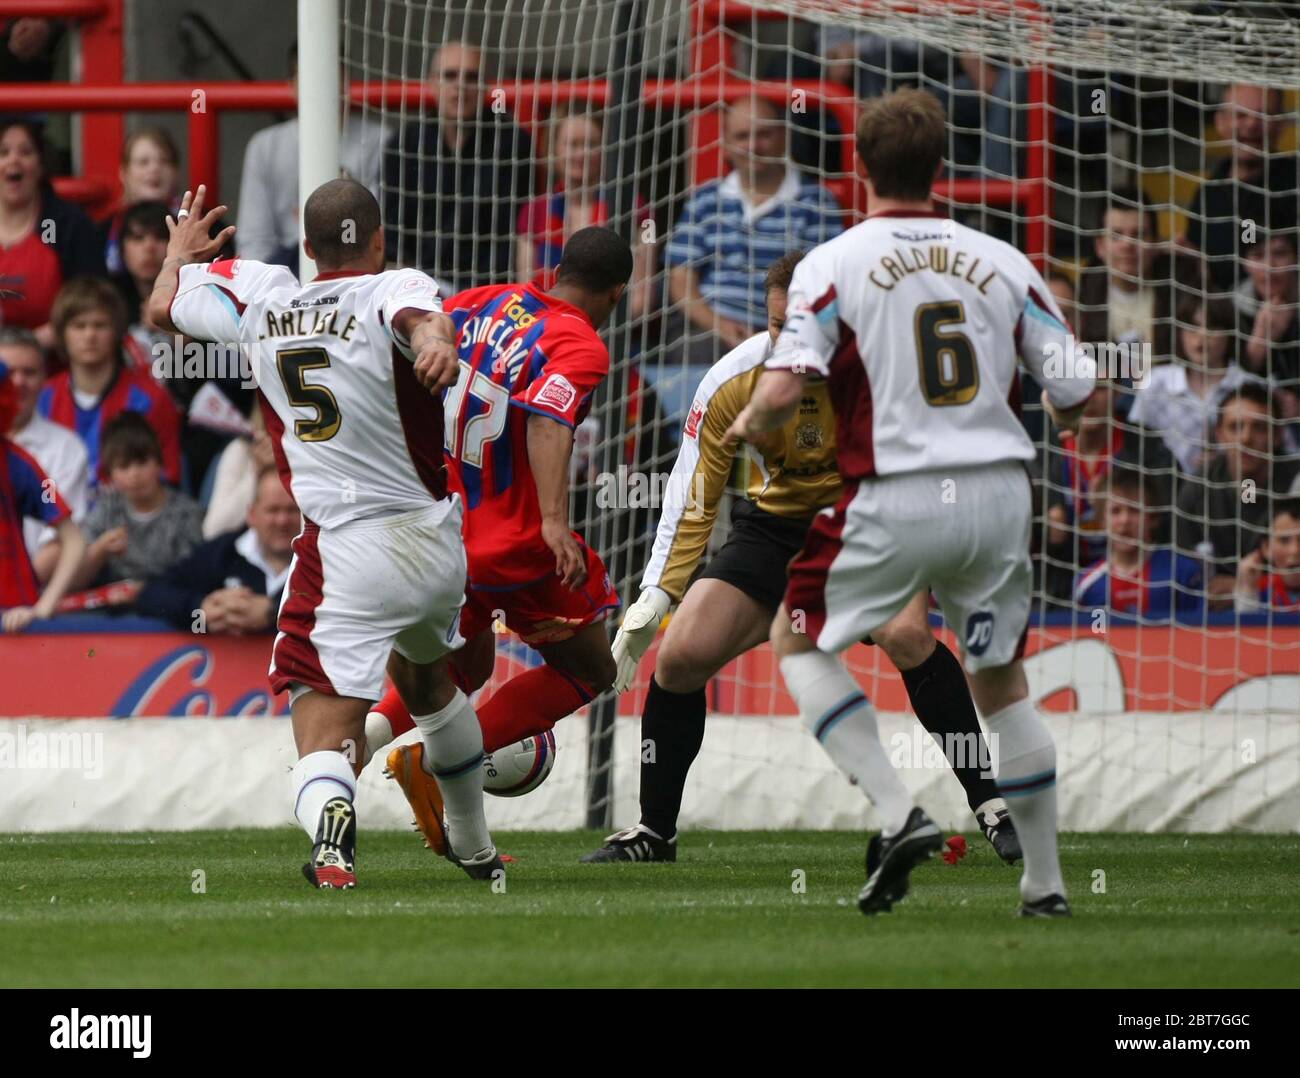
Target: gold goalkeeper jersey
(790, 474)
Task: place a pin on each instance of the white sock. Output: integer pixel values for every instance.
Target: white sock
(842, 719)
(379, 732)
(1024, 758)
(318, 777)
(453, 752)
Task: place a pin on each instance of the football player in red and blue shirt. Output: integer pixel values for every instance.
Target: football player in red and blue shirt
(1133, 579)
(26, 492)
(529, 363)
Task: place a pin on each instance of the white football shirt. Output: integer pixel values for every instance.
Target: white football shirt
(355, 435)
(917, 322)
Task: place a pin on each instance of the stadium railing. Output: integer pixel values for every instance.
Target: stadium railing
(103, 92)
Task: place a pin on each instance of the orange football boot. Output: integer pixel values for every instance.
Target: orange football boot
(406, 765)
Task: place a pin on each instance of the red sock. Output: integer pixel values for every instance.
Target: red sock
(530, 704)
(392, 708)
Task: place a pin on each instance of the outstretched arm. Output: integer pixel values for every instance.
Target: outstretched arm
(189, 242)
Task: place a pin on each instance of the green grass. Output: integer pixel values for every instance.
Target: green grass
(106, 910)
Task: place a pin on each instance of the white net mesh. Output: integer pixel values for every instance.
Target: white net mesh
(1142, 154)
(1173, 39)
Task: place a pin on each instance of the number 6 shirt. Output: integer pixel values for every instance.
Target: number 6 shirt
(917, 322)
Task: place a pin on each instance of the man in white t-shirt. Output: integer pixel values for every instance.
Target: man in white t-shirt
(58, 451)
(349, 370)
(916, 322)
(268, 185)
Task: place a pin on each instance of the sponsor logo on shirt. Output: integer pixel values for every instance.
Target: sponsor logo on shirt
(323, 301)
(557, 392)
(693, 420)
(914, 236)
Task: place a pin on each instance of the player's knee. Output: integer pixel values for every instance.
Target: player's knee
(907, 643)
(416, 683)
(996, 688)
(676, 670)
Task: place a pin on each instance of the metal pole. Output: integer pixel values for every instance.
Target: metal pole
(318, 106)
(623, 128)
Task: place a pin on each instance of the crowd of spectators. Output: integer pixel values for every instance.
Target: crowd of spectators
(1177, 497)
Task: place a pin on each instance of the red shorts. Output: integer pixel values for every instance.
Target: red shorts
(542, 611)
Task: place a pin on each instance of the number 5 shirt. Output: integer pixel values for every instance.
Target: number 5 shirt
(355, 435)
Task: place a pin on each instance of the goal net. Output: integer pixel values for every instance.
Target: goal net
(1142, 154)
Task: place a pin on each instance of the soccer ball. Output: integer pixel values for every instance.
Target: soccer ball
(519, 768)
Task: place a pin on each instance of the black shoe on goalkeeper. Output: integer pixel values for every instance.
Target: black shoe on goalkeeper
(333, 857)
(1001, 833)
(919, 840)
(637, 843)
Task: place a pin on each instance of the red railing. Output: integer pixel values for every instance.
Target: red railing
(100, 26)
(104, 94)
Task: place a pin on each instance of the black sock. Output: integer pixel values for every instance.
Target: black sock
(941, 699)
(672, 730)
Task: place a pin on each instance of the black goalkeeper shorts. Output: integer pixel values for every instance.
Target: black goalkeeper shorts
(756, 556)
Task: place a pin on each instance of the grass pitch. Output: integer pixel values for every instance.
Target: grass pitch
(109, 910)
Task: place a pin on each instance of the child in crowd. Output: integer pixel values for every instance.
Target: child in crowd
(1268, 578)
(1134, 579)
(138, 527)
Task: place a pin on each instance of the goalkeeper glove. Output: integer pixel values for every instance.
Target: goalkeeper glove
(635, 635)
(1067, 419)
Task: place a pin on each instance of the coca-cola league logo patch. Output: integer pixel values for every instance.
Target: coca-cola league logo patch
(557, 392)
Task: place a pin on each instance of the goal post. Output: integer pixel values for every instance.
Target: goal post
(623, 129)
(1068, 122)
(319, 92)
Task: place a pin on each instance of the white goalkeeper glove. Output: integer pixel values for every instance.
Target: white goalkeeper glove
(637, 632)
(1068, 419)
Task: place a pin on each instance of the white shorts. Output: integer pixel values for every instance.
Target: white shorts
(963, 533)
(357, 592)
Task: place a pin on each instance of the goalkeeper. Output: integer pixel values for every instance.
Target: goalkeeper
(727, 607)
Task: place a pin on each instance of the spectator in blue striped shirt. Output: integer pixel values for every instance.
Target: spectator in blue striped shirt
(732, 229)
